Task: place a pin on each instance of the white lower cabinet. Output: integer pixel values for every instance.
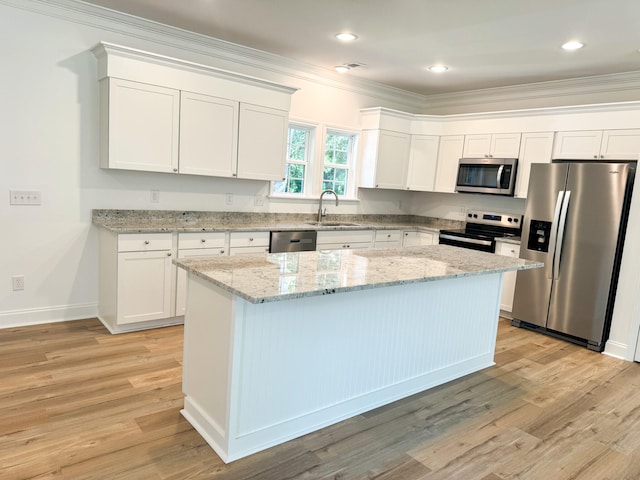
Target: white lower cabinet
(416, 238)
(248, 242)
(136, 280)
(339, 239)
(508, 278)
(388, 239)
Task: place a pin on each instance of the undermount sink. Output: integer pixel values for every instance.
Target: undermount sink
(332, 224)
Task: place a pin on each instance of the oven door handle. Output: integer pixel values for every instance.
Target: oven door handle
(499, 177)
(444, 236)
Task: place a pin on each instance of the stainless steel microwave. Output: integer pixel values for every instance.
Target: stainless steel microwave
(495, 176)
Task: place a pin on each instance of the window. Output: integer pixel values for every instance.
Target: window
(338, 153)
(298, 151)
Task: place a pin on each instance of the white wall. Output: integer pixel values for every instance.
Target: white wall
(49, 119)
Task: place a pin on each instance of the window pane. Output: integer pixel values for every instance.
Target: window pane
(327, 185)
(339, 188)
(295, 186)
(329, 173)
(279, 187)
(295, 171)
(341, 174)
(297, 144)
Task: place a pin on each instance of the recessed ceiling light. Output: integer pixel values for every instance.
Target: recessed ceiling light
(573, 45)
(346, 36)
(438, 68)
(342, 69)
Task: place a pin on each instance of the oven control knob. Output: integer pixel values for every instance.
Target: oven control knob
(515, 220)
(469, 215)
(510, 219)
(475, 215)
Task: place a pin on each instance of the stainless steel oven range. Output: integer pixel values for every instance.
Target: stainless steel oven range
(482, 229)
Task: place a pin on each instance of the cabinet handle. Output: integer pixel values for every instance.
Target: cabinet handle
(601, 156)
(234, 174)
(388, 236)
(169, 254)
(250, 239)
(146, 242)
(377, 185)
(595, 156)
(202, 240)
(221, 251)
(175, 170)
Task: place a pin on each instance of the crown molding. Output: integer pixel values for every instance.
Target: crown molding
(79, 12)
(558, 92)
(555, 89)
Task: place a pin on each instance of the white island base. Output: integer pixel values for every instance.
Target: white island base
(257, 375)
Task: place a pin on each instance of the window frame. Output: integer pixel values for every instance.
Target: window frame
(307, 189)
(350, 167)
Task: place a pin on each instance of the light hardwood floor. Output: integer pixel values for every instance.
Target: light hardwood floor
(78, 403)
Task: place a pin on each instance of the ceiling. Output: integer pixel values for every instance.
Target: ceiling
(490, 43)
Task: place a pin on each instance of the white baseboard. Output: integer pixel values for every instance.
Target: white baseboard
(618, 350)
(37, 316)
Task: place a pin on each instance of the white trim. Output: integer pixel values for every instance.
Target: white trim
(618, 350)
(38, 316)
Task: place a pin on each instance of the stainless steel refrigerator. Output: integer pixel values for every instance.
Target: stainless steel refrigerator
(575, 221)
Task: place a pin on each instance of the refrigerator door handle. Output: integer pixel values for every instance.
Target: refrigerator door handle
(561, 228)
(499, 176)
(554, 232)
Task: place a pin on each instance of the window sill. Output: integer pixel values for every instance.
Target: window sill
(304, 199)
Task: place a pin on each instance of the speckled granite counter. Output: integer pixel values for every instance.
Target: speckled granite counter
(149, 221)
(272, 277)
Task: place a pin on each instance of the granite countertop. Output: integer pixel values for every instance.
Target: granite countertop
(157, 221)
(263, 278)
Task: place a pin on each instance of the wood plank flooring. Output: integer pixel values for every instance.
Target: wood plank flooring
(78, 403)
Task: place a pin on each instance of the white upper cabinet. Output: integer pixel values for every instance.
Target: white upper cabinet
(534, 148)
(423, 159)
(498, 145)
(597, 145)
(385, 157)
(208, 135)
(262, 143)
(139, 126)
(167, 115)
(449, 155)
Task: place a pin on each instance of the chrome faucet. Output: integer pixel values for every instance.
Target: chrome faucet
(320, 213)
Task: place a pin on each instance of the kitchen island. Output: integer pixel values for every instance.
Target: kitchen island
(280, 345)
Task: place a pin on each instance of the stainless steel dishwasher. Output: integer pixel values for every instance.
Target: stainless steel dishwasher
(293, 241)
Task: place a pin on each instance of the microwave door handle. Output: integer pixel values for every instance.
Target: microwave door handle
(499, 176)
(561, 228)
(554, 232)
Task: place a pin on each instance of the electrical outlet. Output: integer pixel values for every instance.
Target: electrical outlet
(17, 282)
(24, 197)
(155, 196)
(258, 200)
(228, 198)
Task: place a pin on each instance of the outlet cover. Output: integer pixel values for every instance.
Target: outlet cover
(258, 200)
(228, 198)
(17, 282)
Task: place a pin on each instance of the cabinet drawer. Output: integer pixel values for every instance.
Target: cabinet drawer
(249, 239)
(388, 236)
(345, 236)
(144, 242)
(507, 249)
(201, 240)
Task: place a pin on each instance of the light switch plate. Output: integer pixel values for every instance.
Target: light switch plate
(24, 197)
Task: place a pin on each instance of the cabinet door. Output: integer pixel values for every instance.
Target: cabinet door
(142, 127)
(449, 155)
(208, 135)
(505, 145)
(508, 278)
(535, 148)
(262, 143)
(578, 145)
(423, 159)
(144, 286)
(620, 145)
(393, 159)
(476, 146)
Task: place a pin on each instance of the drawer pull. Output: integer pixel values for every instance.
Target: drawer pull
(168, 254)
(146, 242)
(203, 240)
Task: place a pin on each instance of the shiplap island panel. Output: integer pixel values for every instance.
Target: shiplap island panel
(279, 345)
